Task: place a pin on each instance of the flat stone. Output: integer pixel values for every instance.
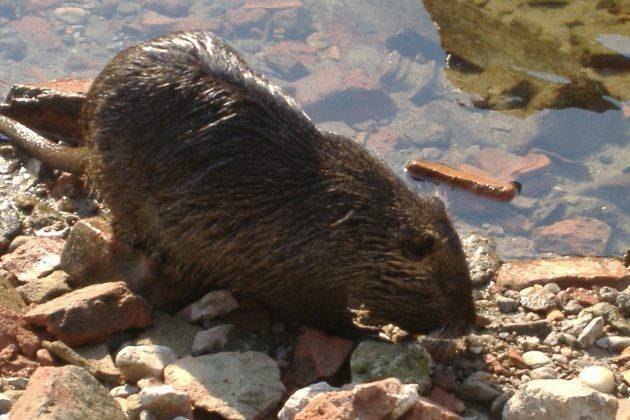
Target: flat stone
(46, 288)
(211, 340)
(614, 343)
(70, 15)
(212, 305)
(67, 392)
(169, 331)
(473, 389)
(123, 391)
(91, 314)
(565, 272)
(272, 4)
(612, 315)
(582, 235)
(165, 402)
(137, 362)
(34, 258)
(540, 328)
(535, 358)
(232, 385)
(506, 305)
(95, 359)
(383, 399)
(317, 356)
(553, 399)
(591, 332)
(538, 299)
(375, 360)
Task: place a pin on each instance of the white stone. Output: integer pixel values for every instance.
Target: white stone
(211, 340)
(165, 401)
(137, 362)
(536, 358)
(613, 342)
(301, 398)
(146, 415)
(213, 304)
(230, 384)
(5, 403)
(555, 399)
(70, 15)
(591, 332)
(598, 378)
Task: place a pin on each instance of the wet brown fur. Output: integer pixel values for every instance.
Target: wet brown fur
(203, 161)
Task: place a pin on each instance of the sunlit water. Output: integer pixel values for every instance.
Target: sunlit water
(503, 87)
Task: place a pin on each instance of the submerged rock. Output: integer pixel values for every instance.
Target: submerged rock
(407, 362)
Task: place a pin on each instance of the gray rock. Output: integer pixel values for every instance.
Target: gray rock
(47, 288)
(572, 307)
(506, 305)
(13, 48)
(169, 331)
(608, 294)
(137, 362)
(614, 343)
(611, 314)
(623, 302)
(213, 304)
(483, 261)
(575, 326)
(538, 299)
(123, 391)
(591, 332)
(553, 399)
(474, 389)
(211, 340)
(374, 360)
(5, 403)
(539, 328)
(300, 398)
(165, 402)
(229, 384)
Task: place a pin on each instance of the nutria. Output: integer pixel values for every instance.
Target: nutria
(204, 161)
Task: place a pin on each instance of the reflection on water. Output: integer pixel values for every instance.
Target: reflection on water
(527, 90)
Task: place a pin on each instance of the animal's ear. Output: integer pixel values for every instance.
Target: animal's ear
(419, 245)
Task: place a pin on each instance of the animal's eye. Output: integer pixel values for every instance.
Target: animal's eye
(419, 246)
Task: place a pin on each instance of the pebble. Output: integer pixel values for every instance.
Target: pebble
(70, 15)
(212, 340)
(506, 305)
(475, 390)
(165, 401)
(598, 378)
(544, 372)
(5, 403)
(573, 307)
(301, 398)
(613, 342)
(591, 332)
(123, 391)
(137, 362)
(538, 299)
(536, 358)
(560, 359)
(213, 304)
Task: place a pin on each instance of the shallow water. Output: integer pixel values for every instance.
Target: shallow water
(526, 90)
